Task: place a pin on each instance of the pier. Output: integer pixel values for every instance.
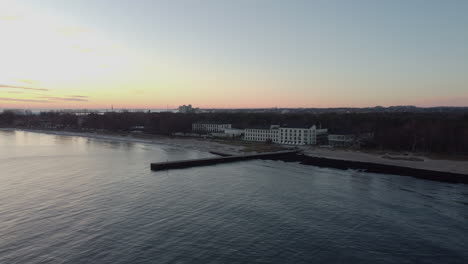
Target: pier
(217, 160)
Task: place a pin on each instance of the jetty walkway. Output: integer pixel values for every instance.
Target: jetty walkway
(217, 160)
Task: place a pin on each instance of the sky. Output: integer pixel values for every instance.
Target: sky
(151, 54)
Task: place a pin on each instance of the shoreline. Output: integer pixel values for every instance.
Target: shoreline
(380, 168)
(336, 158)
(197, 144)
(412, 161)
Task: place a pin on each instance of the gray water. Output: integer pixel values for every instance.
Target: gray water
(80, 200)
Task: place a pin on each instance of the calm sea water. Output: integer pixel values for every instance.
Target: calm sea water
(80, 200)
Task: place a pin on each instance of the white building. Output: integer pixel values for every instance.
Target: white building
(262, 134)
(202, 127)
(285, 135)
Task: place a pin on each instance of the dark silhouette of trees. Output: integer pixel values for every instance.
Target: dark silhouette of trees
(420, 132)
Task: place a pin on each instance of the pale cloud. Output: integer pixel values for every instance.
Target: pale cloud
(23, 100)
(63, 98)
(72, 31)
(10, 17)
(82, 49)
(5, 86)
(27, 81)
(71, 53)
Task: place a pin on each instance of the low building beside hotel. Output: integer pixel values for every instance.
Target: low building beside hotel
(322, 136)
(341, 140)
(234, 132)
(285, 135)
(203, 127)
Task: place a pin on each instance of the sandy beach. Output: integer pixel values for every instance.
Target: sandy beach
(412, 161)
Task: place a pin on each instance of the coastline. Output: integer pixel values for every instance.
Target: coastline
(235, 147)
(185, 142)
(412, 161)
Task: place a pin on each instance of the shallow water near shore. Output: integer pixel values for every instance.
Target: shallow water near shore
(66, 199)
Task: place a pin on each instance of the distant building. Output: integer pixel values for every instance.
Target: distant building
(187, 109)
(18, 111)
(285, 135)
(204, 127)
(341, 140)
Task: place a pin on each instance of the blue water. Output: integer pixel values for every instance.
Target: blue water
(80, 200)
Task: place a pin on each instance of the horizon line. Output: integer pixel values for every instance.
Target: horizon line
(233, 108)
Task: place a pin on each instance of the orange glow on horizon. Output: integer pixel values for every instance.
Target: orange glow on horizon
(51, 62)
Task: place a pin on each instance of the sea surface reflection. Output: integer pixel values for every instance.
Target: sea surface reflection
(79, 200)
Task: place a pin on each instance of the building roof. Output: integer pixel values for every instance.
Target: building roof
(341, 132)
(305, 126)
(211, 123)
(259, 127)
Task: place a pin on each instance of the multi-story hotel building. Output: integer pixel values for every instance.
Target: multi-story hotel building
(299, 135)
(203, 127)
(262, 134)
(285, 135)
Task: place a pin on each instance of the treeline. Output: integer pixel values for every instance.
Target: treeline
(424, 132)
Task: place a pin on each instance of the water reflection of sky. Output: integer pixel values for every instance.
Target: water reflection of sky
(85, 200)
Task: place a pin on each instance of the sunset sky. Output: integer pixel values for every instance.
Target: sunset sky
(232, 54)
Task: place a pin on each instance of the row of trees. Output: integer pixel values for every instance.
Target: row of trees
(426, 132)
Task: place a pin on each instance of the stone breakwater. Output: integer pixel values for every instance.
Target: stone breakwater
(218, 160)
(296, 156)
